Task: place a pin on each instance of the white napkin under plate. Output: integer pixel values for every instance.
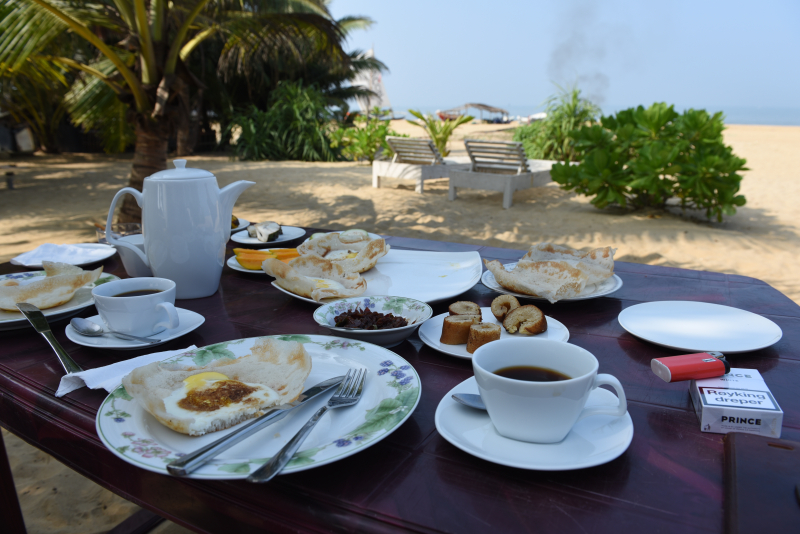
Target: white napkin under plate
(63, 254)
(110, 376)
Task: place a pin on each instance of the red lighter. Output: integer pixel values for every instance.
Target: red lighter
(690, 366)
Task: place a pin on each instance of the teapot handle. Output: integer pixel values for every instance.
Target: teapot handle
(110, 234)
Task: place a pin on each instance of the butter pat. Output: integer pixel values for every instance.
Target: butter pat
(739, 401)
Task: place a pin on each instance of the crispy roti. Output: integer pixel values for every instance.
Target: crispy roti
(280, 365)
(56, 288)
(314, 277)
(553, 280)
(353, 256)
(598, 264)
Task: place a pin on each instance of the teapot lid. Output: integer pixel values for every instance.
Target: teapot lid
(180, 172)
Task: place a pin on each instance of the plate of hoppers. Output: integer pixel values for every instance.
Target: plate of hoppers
(699, 326)
(141, 438)
(12, 320)
(555, 273)
(421, 275)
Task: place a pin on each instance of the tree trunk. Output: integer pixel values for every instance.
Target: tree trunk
(184, 126)
(152, 137)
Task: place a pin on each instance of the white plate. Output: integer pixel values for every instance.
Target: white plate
(234, 264)
(420, 275)
(591, 291)
(107, 251)
(391, 393)
(242, 225)
(82, 299)
(431, 331)
(592, 441)
(189, 321)
(699, 326)
(289, 233)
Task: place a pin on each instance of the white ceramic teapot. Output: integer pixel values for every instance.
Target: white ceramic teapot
(186, 221)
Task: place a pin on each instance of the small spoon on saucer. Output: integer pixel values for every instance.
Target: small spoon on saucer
(88, 328)
(469, 399)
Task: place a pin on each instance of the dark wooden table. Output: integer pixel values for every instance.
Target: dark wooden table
(670, 479)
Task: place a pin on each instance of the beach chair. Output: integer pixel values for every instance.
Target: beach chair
(498, 166)
(414, 159)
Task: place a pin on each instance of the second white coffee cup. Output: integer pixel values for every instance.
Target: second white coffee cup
(540, 412)
(142, 315)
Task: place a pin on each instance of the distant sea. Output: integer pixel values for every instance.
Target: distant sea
(733, 114)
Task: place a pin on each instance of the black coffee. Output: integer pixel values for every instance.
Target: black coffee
(531, 374)
(139, 293)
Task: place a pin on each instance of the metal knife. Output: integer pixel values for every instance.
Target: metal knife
(189, 463)
(40, 324)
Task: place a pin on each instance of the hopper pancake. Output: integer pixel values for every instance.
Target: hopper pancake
(356, 253)
(553, 280)
(195, 400)
(598, 264)
(56, 288)
(314, 277)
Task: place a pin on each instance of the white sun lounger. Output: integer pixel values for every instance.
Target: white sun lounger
(414, 159)
(499, 166)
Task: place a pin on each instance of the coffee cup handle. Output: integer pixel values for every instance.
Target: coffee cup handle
(172, 316)
(619, 410)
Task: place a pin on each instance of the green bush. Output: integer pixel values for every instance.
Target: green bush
(364, 140)
(293, 127)
(439, 131)
(549, 138)
(644, 157)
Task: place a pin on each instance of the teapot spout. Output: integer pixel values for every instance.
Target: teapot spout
(227, 198)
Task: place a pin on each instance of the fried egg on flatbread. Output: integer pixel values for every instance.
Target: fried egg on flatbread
(197, 400)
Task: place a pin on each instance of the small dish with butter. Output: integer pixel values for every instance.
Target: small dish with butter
(379, 314)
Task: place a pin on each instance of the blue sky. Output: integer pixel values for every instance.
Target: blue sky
(719, 55)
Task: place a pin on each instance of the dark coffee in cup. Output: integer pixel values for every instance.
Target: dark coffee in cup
(530, 373)
(139, 293)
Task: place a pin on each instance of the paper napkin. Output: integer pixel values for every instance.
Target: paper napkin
(61, 253)
(110, 376)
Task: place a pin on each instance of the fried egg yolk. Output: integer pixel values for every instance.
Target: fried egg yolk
(212, 399)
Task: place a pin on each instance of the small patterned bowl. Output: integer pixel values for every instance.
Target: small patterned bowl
(415, 312)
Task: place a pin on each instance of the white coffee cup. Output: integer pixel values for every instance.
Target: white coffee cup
(143, 315)
(540, 412)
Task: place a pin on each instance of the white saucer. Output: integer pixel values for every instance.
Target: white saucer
(189, 321)
(289, 233)
(106, 252)
(243, 224)
(431, 331)
(592, 441)
(699, 326)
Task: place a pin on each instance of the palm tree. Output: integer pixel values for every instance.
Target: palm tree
(141, 46)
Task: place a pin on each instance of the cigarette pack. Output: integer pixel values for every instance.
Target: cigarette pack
(738, 401)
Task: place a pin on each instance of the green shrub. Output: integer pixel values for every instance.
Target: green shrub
(549, 138)
(439, 131)
(364, 139)
(644, 157)
(293, 127)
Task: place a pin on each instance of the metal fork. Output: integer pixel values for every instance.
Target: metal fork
(348, 394)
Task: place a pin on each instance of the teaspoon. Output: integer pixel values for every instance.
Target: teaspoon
(469, 399)
(91, 329)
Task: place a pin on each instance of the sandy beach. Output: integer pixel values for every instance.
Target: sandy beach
(58, 199)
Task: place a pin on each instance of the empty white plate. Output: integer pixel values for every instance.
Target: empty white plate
(699, 326)
(592, 441)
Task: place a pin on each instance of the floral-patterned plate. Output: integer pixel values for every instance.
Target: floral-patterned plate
(82, 299)
(414, 311)
(391, 393)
